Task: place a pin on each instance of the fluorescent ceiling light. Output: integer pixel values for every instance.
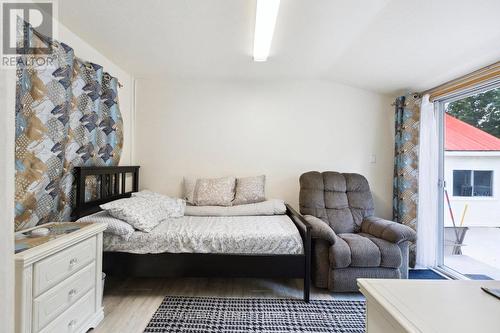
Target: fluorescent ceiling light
(265, 20)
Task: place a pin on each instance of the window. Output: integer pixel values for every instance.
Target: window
(472, 183)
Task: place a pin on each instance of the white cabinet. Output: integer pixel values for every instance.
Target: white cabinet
(430, 306)
(59, 283)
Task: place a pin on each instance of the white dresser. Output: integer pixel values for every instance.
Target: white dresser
(430, 306)
(59, 280)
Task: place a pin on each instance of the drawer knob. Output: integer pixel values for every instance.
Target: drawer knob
(72, 324)
(73, 261)
(72, 292)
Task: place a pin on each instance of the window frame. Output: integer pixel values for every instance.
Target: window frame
(439, 103)
(472, 183)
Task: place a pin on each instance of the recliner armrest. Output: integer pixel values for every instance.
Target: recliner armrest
(320, 229)
(388, 230)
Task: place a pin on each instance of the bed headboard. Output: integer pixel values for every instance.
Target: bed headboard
(110, 184)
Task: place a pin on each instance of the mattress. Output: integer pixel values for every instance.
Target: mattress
(213, 234)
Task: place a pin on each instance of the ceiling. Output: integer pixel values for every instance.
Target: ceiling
(387, 46)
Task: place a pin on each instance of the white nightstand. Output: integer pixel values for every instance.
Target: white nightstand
(59, 279)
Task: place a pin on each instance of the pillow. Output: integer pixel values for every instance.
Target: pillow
(173, 207)
(189, 184)
(250, 190)
(141, 213)
(268, 207)
(214, 191)
(147, 194)
(114, 226)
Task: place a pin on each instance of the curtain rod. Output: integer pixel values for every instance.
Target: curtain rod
(481, 75)
(50, 42)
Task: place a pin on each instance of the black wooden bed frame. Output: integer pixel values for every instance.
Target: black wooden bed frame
(112, 186)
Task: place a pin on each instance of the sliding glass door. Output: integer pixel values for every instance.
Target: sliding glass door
(470, 184)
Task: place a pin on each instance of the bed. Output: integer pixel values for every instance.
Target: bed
(275, 246)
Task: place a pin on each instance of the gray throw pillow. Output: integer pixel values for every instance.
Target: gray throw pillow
(250, 190)
(188, 187)
(214, 191)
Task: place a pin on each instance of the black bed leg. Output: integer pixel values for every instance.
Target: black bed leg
(307, 266)
(307, 275)
(307, 288)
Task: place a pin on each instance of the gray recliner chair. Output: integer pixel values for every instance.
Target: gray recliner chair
(348, 241)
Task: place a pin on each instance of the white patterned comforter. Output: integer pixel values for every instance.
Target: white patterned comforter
(214, 234)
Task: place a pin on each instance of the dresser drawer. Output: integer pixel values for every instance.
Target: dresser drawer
(50, 271)
(72, 319)
(54, 301)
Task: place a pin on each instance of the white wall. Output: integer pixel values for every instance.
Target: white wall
(280, 129)
(482, 211)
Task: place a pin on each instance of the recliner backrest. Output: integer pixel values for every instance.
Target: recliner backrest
(340, 199)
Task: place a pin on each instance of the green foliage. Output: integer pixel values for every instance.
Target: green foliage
(480, 110)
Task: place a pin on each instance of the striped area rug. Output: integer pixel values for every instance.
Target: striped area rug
(204, 314)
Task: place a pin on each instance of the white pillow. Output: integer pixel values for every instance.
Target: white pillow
(114, 226)
(250, 190)
(142, 213)
(148, 193)
(268, 207)
(214, 191)
(173, 207)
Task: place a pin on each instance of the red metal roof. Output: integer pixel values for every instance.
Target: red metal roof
(461, 136)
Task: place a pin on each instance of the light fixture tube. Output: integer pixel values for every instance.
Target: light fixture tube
(265, 21)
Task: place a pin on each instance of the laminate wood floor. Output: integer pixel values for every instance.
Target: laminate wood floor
(130, 303)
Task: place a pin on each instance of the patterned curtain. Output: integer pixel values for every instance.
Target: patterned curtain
(405, 192)
(67, 115)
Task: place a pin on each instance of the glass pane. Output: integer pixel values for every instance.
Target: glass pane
(462, 186)
(482, 183)
(481, 111)
(470, 218)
